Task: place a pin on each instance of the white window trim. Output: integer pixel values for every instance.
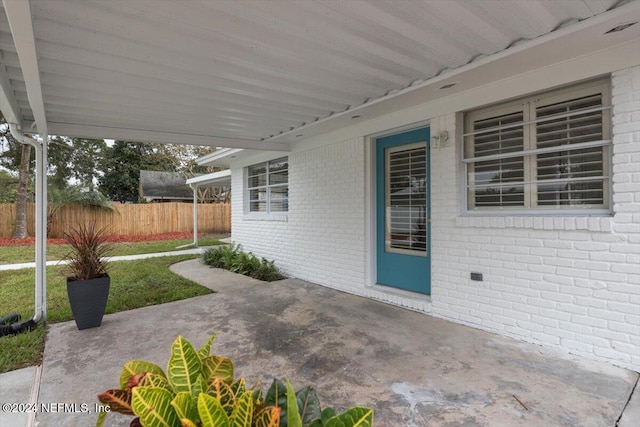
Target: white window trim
(548, 211)
(268, 215)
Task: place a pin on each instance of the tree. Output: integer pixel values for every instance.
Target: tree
(17, 157)
(20, 228)
(86, 159)
(122, 164)
(8, 187)
(70, 159)
(73, 195)
(184, 159)
(76, 160)
(11, 150)
(59, 167)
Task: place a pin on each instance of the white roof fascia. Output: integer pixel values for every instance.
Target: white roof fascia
(226, 158)
(220, 153)
(211, 178)
(142, 135)
(21, 25)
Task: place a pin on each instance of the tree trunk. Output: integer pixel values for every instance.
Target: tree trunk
(20, 230)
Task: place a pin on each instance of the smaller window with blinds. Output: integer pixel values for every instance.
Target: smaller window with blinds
(547, 153)
(267, 186)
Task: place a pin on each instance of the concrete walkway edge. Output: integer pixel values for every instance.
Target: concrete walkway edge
(198, 250)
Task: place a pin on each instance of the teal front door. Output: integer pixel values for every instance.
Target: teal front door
(402, 211)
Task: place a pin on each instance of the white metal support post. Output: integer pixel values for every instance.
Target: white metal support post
(41, 220)
(195, 215)
(195, 218)
(21, 24)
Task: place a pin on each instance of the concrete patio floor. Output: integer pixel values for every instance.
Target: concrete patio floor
(414, 370)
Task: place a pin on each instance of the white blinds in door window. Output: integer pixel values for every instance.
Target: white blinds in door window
(406, 198)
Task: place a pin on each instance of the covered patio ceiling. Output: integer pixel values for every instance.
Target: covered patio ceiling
(261, 74)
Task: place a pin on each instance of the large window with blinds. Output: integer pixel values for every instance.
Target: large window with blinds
(547, 153)
(267, 186)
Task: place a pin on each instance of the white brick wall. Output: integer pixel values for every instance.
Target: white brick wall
(571, 282)
(568, 282)
(323, 238)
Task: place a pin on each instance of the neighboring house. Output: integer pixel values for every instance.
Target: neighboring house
(157, 186)
(478, 161)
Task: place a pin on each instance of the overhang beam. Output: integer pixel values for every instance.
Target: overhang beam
(8, 103)
(21, 25)
(144, 135)
(212, 178)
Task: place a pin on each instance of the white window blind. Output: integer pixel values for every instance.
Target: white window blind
(406, 203)
(549, 152)
(268, 186)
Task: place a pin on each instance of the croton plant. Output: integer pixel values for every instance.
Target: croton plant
(199, 390)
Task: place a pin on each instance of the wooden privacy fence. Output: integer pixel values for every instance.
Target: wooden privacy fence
(129, 219)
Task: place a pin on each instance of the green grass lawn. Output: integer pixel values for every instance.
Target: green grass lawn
(134, 284)
(20, 254)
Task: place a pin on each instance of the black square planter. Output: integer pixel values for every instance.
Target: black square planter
(88, 299)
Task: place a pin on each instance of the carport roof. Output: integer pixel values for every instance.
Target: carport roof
(220, 178)
(257, 74)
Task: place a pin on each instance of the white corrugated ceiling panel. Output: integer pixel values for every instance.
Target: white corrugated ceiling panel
(252, 69)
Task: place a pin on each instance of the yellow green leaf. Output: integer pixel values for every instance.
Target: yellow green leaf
(155, 380)
(200, 386)
(186, 406)
(293, 416)
(102, 416)
(211, 412)
(205, 350)
(217, 366)
(243, 411)
(354, 417)
(223, 392)
(238, 388)
(153, 406)
(184, 366)
(134, 367)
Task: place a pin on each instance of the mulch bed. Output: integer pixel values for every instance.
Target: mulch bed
(30, 241)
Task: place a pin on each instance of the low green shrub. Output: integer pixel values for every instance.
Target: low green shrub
(199, 390)
(232, 258)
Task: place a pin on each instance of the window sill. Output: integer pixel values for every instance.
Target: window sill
(282, 217)
(602, 224)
